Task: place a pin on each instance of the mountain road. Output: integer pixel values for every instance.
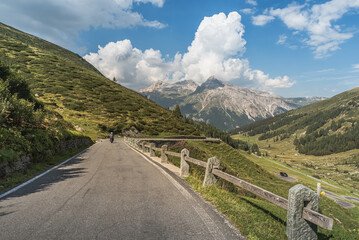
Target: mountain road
(110, 192)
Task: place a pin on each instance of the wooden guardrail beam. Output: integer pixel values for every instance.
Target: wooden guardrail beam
(173, 154)
(310, 215)
(180, 139)
(196, 161)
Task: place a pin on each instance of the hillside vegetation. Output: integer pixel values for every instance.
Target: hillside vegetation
(26, 127)
(69, 85)
(323, 128)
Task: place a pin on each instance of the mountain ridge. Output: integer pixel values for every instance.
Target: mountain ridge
(220, 104)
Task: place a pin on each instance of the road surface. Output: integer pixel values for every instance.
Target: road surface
(109, 192)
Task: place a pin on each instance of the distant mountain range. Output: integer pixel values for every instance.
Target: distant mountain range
(221, 104)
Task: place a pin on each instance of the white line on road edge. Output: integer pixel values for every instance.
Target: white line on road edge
(207, 220)
(40, 175)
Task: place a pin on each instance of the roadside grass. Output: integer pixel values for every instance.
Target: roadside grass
(254, 217)
(14, 179)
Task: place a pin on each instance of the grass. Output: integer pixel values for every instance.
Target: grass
(254, 217)
(69, 85)
(11, 181)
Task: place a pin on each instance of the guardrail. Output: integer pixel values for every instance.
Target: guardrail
(179, 139)
(302, 205)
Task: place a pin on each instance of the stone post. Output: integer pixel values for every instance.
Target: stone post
(184, 170)
(209, 178)
(297, 227)
(152, 151)
(164, 158)
(319, 189)
(143, 147)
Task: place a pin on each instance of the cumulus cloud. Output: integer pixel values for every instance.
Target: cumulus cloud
(60, 21)
(316, 21)
(130, 66)
(216, 50)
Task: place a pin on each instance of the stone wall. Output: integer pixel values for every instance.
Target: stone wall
(23, 163)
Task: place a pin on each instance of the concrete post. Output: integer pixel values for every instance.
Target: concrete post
(297, 227)
(152, 151)
(143, 147)
(319, 189)
(184, 170)
(164, 158)
(209, 178)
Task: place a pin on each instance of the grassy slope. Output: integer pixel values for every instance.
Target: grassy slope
(342, 168)
(69, 85)
(256, 218)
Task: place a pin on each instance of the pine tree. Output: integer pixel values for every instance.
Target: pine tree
(177, 111)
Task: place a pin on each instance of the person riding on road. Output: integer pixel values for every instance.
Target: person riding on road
(112, 136)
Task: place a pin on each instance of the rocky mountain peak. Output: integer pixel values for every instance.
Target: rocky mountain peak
(211, 83)
(154, 87)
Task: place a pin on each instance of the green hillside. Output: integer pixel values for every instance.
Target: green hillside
(323, 128)
(69, 85)
(27, 128)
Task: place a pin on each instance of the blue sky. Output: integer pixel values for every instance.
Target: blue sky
(301, 48)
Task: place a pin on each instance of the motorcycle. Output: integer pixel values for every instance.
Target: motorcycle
(111, 139)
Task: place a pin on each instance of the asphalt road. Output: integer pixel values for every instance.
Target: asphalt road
(110, 192)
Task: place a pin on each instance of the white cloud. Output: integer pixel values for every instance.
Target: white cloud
(215, 50)
(316, 21)
(262, 20)
(282, 39)
(158, 3)
(247, 11)
(130, 66)
(61, 21)
(252, 2)
(355, 68)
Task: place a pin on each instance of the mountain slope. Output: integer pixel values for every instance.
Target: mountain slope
(29, 133)
(68, 84)
(167, 94)
(322, 128)
(220, 104)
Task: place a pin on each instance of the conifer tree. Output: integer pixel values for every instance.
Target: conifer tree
(177, 111)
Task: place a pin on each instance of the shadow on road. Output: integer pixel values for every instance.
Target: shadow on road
(4, 213)
(62, 173)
